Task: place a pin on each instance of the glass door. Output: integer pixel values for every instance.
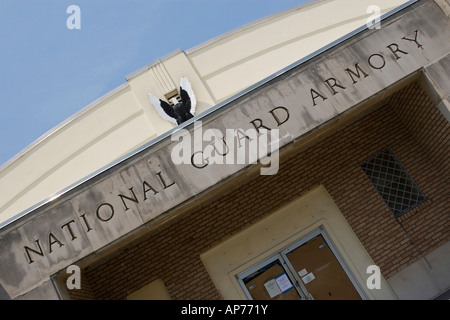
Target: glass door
(318, 269)
(269, 280)
(308, 269)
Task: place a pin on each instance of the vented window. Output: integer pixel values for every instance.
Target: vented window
(393, 183)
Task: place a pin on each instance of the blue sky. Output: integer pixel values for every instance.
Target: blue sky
(48, 72)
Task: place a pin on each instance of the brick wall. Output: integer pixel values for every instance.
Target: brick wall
(410, 125)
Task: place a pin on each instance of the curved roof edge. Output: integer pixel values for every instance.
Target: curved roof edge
(222, 36)
(62, 125)
(189, 122)
(151, 64)
(252, 24)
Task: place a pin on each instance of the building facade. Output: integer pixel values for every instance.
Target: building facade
(362, 182)
(123, 120)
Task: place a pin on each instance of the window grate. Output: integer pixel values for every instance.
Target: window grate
(393, 183)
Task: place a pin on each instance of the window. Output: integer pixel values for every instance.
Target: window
(393, 183)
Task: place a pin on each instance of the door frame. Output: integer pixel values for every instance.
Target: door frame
(292, 274)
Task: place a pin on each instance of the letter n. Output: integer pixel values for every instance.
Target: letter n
(39, 252)
(134, 199)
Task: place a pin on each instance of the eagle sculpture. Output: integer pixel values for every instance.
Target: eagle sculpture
(182, 110)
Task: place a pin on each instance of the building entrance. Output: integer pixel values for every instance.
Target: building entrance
(308, 269)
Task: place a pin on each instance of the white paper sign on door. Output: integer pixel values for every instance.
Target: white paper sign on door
(283, 282)
(272, 288)
(308, 278)
(302, 273)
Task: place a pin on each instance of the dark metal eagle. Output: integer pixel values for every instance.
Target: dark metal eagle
(182, 110)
